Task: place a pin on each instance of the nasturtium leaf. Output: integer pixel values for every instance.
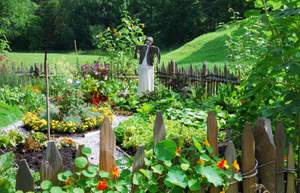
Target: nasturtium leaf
(86, 151)
(165, 150)
(153, 188)
(197, 144)
(185, 166)
(158, 169)
(78, 190)
(46, 185)
(64, 175)
(81, 162)
(237, 177)
(148, 174)
(194, 184)
(104, 174)
(212, 175)
(177, 177)
(56, 189)
(205, 157)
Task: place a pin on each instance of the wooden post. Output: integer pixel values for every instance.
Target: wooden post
(297, 125)
(24, 179)
(212, 136)
(139, 159)
(52, 163)
(159, 130)
(248, 160)
(230, 156)
(291, 186)
(212, 131)
(280, 144)
(107, 146)
(47, 95)
(265, 153)
(76, 52)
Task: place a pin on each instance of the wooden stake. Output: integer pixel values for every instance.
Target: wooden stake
(47, 96)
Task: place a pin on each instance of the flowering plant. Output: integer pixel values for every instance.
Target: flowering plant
(169, 169)
(97, 70)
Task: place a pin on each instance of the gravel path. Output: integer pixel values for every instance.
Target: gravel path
(92, 140)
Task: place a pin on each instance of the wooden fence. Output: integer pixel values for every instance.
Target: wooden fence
(210, 79)
(267, 164)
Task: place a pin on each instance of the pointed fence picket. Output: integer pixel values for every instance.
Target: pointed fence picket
(263, 165)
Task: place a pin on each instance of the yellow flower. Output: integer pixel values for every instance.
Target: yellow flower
(200, 161)
(236, 165)
(206, 143)
(222, 191)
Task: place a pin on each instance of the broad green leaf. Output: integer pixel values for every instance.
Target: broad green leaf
(46, 185)
(158, 169)
(104, 174)
(185, 166)
(81, 162)
(148, 174)
(86, 151)
(212, 175)
(56, 189)
(78, 190)
(177, 178)
(194, 184)
(165, 150)
(64, 175)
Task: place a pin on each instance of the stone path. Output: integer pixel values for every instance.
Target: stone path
(92, 140)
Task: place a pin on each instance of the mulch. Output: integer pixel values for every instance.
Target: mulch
(34, 158)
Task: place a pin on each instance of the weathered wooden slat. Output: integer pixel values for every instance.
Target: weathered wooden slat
(46, 171)
(159, 130)
(212, 137)
(24, 178)
(139, 157)
(212, 131)
(248, 160)
(230, 156)
(107, 146)
(297, 126)
(265, 152)
(52, 159)
(291, 176)
(280, 144)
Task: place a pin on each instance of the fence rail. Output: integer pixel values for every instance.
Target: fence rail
(264, 168)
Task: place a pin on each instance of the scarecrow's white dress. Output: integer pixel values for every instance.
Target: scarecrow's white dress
(146, 76)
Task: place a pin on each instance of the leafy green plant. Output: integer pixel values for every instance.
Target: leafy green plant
(11, 138)
(139, 130)
(7, 173)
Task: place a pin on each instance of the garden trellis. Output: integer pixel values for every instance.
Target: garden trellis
(264, 168)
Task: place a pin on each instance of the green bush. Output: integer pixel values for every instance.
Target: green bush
(138, 130)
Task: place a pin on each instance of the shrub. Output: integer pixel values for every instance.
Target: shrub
(139, 130)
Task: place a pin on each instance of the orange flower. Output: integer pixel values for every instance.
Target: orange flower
(236, 165)
(178, 151)
(116, 172)
(206, 143)
(68, 181)
(102, 185)
(222, 164)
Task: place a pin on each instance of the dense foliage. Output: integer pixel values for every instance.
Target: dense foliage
(60, 22)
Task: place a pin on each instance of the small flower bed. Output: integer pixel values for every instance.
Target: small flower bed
(70, 124)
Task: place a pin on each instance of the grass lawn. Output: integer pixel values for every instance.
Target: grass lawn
(209, 47)
(8, 114)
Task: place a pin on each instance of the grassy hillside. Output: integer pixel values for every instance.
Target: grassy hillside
(209, 47)
(58, 58)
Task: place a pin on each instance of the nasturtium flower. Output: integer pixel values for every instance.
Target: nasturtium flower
(178, 151)
(68, 181)
(223, 164)
(236, 165)
(206, 143)
(102, 185)
(116, 172)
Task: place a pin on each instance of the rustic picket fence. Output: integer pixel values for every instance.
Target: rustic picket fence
(267, 164)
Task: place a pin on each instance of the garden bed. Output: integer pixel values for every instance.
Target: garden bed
(34, 157)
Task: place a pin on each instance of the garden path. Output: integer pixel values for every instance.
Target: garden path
(92, 140)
